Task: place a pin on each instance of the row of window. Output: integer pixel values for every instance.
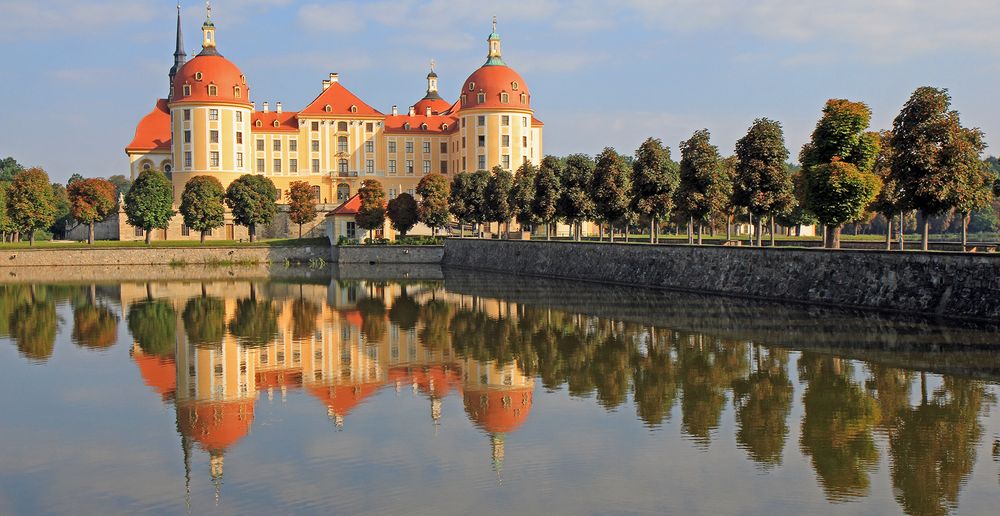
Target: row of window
(342, 126)
(504, 98)
(213, 114)
(213, 90)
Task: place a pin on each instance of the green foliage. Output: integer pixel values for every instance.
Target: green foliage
(122, 184)
(655, 180)
(612, 188)
(149, 203)
(701, 191)
(6, 221)
(577, 174)
(468, 196)
(205, 321)
(152, 324)
(405, 312)
(30, 201)
(547, 190)
(94, 326)
(371, 215)
(255, 322)
(402, 212)
(762, 183)
(74, 178)
(372, 318)
(841, 133)
(92, 200)
(889, 201)
(497, 195)
(202, 204)
(9, 167)
(33, 327)
(63, 217)
(838, 192)
(522, 194)
(252, 199)
(304, 313)
(434, 191)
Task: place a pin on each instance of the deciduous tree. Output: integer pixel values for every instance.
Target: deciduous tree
(92, 201)
(575, 204)
(8, 168)
(497, 196)
(432, 210)
(202, 204)
(149, 203)
(699, 193)
(612, 188)
(301, 203)
(522, 195)
(547, 192)
(762, 184)
(30, 202)
(655, 180)
(402, 212)
(371, 214)
(253, 200)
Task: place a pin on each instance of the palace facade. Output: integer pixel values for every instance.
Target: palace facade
(208, 125)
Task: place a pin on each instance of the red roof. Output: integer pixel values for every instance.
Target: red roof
(287, 121)
(153, 131)
(438, 106)
(492, 80)
(341, 399)
(535, 121)
(158, 373)
(490, 411)
(340, 101)
(215, 71)
(278, 378)
(435, 124)
(436, 380)
(350, 207)
(215, 426)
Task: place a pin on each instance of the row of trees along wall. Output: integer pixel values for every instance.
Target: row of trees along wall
(927, 163)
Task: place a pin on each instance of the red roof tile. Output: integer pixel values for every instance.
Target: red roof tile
(287, 121)
(153, 131)
(340, 101)
(435, 124)
(350, 207)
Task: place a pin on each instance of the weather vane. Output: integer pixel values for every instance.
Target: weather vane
(208, 8)
(494, 23)
(433, 64)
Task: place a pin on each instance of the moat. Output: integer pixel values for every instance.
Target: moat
(457, 392)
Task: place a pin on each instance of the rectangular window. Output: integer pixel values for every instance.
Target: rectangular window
(293, 145)
(239, 160)
(444, 147)
(524, 122)
(482, 140)
(505, 140)
(505, 120)
(187, 136)
(524, 141)
(444, 166)
(481, 120)
(392, 193)
(506, 161)
(315, 166)
(482, 162)
(213, 159)
(239, 137)
(342, 144)
(277, 145)
(465, 164)
(409, 167)
(213, 136)
(139, 232)
(187, 115)
(185, 231)
(342, 164)
(409, 147)
(369, 146)
(239, 116)
(187, 159)
(293, 166)
(427, 166)
(260, 145)
(392, 145)
(260, 166)
(277, 166)
(392, 167)
(369, 127)
(213, 114)
(463, 142)
(315, 126)
(351, 230)
(427, 147)
(369, 166)
(315, 145)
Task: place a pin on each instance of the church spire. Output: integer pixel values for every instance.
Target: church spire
(180, 57)
(493, 58)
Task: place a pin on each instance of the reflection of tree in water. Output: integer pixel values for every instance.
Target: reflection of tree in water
(707, 368)
(304, 313)
(933, 447)
(837, 426)
(763, 401)
(11, 297)
(654, 379)
(255, 323)
(436, 317)
(205, 321)
(152, 324)
(33, 328)
(372, 318)
(94, 326)
(405, 312)
(476, 335)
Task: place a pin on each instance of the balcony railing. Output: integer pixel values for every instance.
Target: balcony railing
(344, 173)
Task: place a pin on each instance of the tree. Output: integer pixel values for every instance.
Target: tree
(253, 200)
(698, 194)
(92, 201)
(476, 199)
(301, 203)
(575, 204)
(121, 182)
(9, 167)
(202, 204)
(547, 192)
(63, 218)
(497, 196)
(522, 195)
(457, 196)
(149, 203)
(973, 182)
(655, 180)
(402, 212)
(434, 191)
(837, 166)
(7, 226)
(889, 201)
(371, 215)
(152, 324)
(30, 202)
(612, 188)
(468, 197)
(205, 321)
(33, 328)
(74, 178)
(762, 184)
(933, 154)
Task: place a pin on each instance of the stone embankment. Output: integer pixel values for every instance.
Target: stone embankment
(66, 257)
(389, 254)
(947, 284)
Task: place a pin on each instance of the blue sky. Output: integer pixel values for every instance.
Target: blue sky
(79, 74)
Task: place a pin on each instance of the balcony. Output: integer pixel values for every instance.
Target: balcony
(348, 173)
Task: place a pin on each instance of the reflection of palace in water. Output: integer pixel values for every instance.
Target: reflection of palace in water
(339, 344)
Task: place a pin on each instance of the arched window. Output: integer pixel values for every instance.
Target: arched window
(406, 126)
(237, 92)
(524, 99)
(480, 98)
(146, 165)
(276, 124)
(423, 127)
(342, 126)
(504, 98)
(464, 100)
(444, 127)
(328, 108)
(316, 193)
(258, 123)
(354, 109)
(213, 90)
(343, 192)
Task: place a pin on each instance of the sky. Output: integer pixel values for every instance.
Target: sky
(79, 74)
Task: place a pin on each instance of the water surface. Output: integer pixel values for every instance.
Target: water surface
(483, 394)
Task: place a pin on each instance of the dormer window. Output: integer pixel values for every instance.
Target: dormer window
(213, 90)
(243, 79)
(464, 100)
(524, 99)
(423, 127)
(328, 108)
(237, 92)
(513, 85)
(444, 127)
(276, 124)
(354, 109)
(472, 86)
(504, 98)
(406, 126)
(198, 76)
(187, 90)
(258, 123)
(480, 98)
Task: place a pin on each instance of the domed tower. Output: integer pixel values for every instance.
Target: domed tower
(497, 399)
(432, 103)
(210, 116)
(497, 124)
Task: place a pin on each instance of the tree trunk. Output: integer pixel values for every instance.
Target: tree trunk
(548, 226)
(759, 230)
(90, 234)
(823, 244)
(300, 230)
(149, 234)
(611, 232)
(251, 229)
(652, 230)
(690, 230)
(902, 231)
(772, 230)
(31, 238)
(729, 227)
(924, 232)
(888, 233)
(833, 237)
(626, 232)
(203, 236)
(965, 231)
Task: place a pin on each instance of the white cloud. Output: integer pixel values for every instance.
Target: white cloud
(35, 19)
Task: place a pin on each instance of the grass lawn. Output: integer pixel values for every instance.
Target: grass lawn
(104, 244)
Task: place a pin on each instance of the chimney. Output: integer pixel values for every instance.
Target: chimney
(326, 85)
(277, 107)
(265, 106)
(334, 77)
(253, 106)
(413, 111)
(428, 110)
(395, 110)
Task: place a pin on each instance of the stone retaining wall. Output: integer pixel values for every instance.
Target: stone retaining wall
(949, 284)
(372, 254)
(158, 255)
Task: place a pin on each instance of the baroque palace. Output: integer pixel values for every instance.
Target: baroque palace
(208, 126)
